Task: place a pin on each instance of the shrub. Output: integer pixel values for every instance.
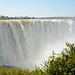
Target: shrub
(61, 64)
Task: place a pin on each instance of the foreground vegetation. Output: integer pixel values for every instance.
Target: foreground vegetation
(57, 64)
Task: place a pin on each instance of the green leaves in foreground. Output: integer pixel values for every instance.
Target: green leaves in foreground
(63, 64)
(57, 64)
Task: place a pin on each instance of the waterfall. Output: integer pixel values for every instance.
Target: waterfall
(24, 43)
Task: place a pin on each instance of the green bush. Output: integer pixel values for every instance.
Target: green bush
(61, 64)
(57, 64)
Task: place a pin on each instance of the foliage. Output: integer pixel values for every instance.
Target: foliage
(21, 17)
(2, 17)
(61, 64)
(57, 64)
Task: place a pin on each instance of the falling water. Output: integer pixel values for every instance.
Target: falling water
(28, 42)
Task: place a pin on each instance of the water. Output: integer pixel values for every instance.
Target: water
(24, 43)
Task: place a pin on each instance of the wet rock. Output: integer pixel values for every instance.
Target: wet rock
(8, 67)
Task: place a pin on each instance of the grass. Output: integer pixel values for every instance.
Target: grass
(57, 64)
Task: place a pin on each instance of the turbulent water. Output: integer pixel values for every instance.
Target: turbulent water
(28, 42)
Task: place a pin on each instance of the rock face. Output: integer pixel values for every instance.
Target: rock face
(9, 67)
(28, 42)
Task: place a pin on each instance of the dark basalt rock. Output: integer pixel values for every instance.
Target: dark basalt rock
(8, 67)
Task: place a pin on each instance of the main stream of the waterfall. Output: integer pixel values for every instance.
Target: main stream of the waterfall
(27, 42)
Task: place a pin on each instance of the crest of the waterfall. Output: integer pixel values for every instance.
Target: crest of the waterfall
(27, 42)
